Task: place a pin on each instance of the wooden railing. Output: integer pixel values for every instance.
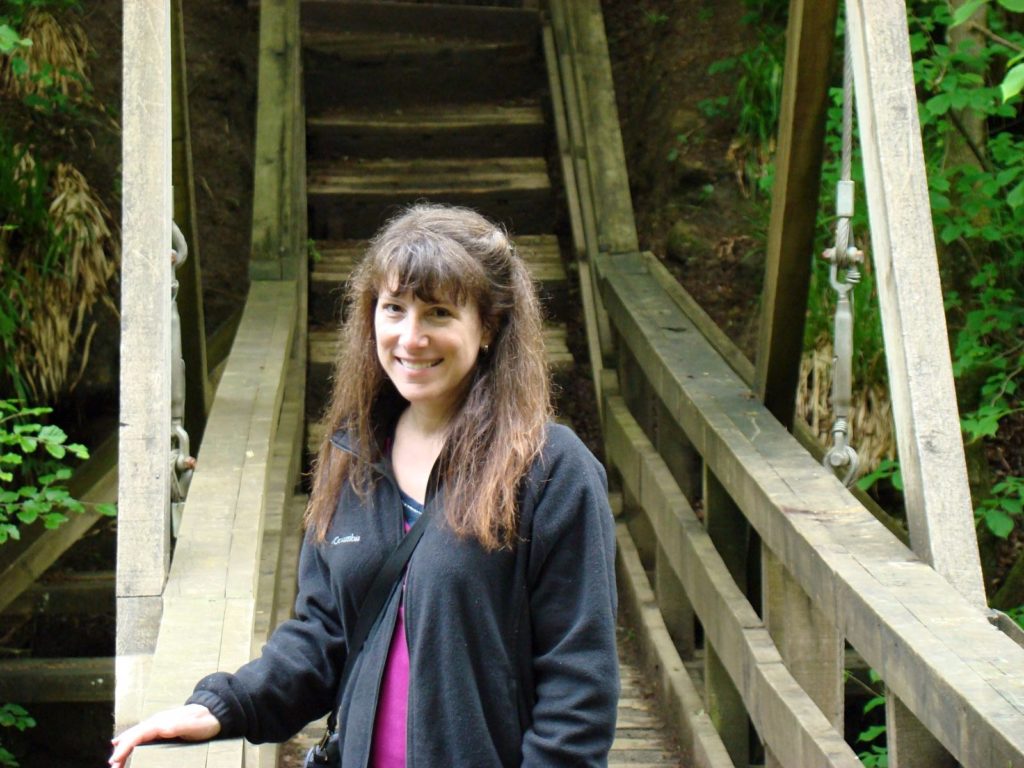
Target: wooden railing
(736, 523)
(221, 596)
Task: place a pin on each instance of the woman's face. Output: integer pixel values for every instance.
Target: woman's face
(428, 348)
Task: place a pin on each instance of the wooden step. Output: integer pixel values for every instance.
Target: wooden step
(352, 198)
(452, 20)
(429, 131)
(31, 681)
(323, 345)
(330, 272)
(351, 69)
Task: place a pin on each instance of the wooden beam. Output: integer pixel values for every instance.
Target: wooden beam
(956, 672)
(278, 225)
(794, 213)
(683, 704)
(211, 597)
(81, 594)
(783, 714)
(931, 451)
(33, 681)
(143, 542)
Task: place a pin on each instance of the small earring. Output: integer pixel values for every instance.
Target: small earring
(485, 348)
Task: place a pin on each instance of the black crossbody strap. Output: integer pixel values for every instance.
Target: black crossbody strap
(376, 598)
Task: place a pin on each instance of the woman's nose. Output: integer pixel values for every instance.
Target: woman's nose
(412, 334)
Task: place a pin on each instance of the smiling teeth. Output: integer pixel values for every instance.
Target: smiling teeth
(417, 366)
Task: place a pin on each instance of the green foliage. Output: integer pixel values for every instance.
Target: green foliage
(877, 753)
(13, 716)
(754, 103)
(31, 480)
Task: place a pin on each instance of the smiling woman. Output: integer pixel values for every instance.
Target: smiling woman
(497, 646)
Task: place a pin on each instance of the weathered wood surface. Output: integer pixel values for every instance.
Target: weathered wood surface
(145, 376)
(743, 368)
(584, 40)
(928, 437)
(957, 673)
(337, 259)
(279, 215)
(810, 37)
(78, 681)
(454, 130)
(434, 20)
(210, 599)
(681, 702)
(785, 717)
(73, 595)
(806, 639)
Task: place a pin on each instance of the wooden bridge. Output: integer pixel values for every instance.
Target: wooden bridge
(753, 585)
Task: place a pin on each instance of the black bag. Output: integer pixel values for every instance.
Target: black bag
(327, 752)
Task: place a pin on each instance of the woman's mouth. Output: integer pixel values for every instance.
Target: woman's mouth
(417, 365)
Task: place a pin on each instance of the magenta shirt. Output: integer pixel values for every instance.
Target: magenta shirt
(388, 749)
(389, 725)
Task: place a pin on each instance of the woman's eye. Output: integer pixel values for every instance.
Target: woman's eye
(391, 308)
(442, 312)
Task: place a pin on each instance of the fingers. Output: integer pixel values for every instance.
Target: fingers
(191, 722)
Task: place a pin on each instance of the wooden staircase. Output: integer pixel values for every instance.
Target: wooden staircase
(445, 103)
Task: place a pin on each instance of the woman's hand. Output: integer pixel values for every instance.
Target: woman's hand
(191, 722)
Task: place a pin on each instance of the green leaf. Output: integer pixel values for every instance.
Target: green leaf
(107, 510)
(56, 450)
(1016, 197)
(1017, 6)
(871, 733)
(64, 473)
(1012, 83)
(873, 703)
(1000, 523)
(11, 458)
(78, 450)
(965, 11)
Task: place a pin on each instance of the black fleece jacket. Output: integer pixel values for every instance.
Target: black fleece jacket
(492, 683)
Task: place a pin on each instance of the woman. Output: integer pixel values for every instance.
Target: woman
(498, 649)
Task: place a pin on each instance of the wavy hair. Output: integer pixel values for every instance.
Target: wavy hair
(454, 254)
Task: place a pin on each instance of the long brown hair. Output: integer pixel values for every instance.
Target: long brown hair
(454, 254)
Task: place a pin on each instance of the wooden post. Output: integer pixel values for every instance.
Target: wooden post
(938, 503)
(143, 536)
(729, 531)
(198, 392)
(276, 226)
(808, 642)
(794, 212)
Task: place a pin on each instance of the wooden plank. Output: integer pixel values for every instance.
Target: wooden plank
(606, 159)
(682, 703)
(810, 37)
(143, 542)
(462, 21)
(36, 681)
(880, 596)
(783, 714)
(77, 595)
(278, 220)
(210, 597)
(806, 639)
(928, 438)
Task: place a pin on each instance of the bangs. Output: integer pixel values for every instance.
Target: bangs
(434, 268)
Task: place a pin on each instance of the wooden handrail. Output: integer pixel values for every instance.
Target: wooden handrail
(933, 648)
